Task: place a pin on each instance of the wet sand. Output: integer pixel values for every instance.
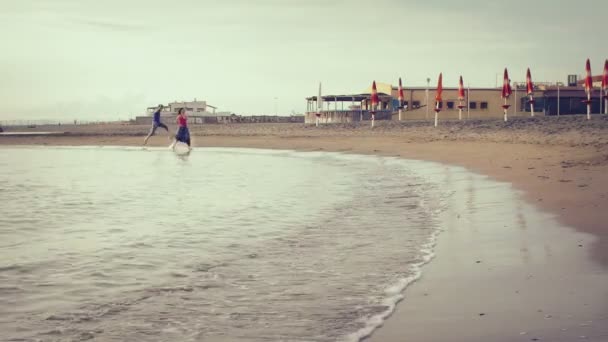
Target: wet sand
(560, 165)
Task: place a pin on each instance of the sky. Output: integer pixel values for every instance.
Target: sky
(108, 60)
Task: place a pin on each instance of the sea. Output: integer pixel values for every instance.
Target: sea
(225, 244)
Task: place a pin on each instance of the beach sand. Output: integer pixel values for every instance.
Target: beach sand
(559, 164)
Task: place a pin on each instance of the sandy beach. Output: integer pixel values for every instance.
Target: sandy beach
(560, 165)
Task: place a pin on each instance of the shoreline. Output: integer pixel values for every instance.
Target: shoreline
(567, 182)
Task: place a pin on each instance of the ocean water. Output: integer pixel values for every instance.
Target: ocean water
(125, 244)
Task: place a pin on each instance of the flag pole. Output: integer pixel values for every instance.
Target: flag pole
(557, 99)
(515, 100)
(468, 102)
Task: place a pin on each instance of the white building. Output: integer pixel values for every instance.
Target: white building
(193, 108)
(198, 112)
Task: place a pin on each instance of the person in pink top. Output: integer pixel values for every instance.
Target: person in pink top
(183, 134)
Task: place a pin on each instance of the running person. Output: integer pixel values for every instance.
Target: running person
(156, 123)
(183, 134)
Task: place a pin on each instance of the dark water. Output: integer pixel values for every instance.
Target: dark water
(124, 244)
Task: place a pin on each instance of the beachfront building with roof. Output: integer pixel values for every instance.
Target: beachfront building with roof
(479, 103)
(418, 104)
(198, 112)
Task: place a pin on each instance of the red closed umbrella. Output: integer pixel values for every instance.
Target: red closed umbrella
(460, 97)
(530, 91)
(605, 86)
(375, 102)
(401, 98)
(588, 87)
(438, 98)
(506, 91)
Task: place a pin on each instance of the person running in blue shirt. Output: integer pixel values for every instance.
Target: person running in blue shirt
(156, 123)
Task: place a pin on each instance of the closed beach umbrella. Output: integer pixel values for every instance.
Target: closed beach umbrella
(460, 97)
(506, 91)
(375, 102)
(530, 91)
(588, 87)
(319, 105)
(605, 86)
(401, 98)
(438, 98)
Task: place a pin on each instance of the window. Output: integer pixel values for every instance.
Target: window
(484, 105)
(416, 104)
(473, 105)
(450, 104)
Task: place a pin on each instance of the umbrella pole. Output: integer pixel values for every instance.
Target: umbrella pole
(505, 109)
(400, 113)
(605, 102)
(531, 106)
(532, 109)
(373, 119)
(436, 112)
(459, 110)
(589, 106)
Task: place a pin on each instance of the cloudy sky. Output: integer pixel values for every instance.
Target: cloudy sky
(104, 60)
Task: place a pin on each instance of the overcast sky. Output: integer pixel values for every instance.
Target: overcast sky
(103, 60)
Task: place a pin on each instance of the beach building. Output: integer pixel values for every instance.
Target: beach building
(560, 100)
(198, 112)
(479, 103)
(418, 104)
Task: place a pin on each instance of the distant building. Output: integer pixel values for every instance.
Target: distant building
(596, 81)
(479, 103)
(566, 100)
(192, 108)
(198, 112)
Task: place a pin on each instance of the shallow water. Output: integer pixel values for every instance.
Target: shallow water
(128, 244)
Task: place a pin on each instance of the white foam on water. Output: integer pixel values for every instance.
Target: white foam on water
(181, 149)
(395, 293)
